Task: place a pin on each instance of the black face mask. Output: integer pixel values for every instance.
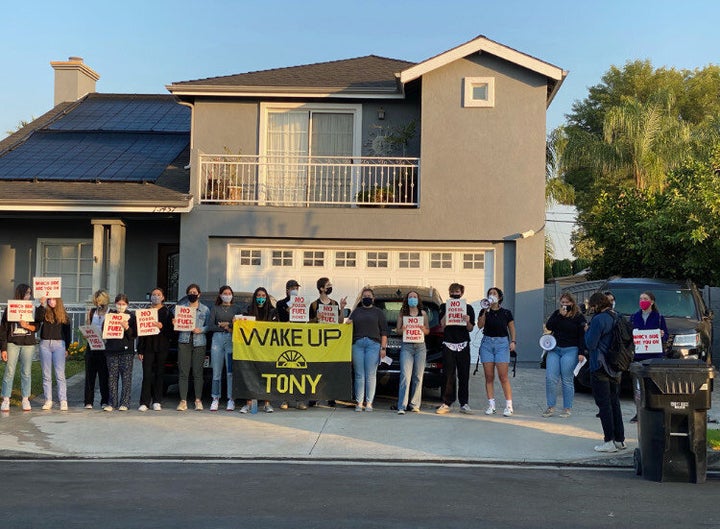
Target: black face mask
(455, 296)
(328, 291)
(367, 302)
(192, 298)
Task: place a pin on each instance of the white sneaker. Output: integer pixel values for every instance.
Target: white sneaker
(63, 405)
(283, 405)
(465, 408)
(214, 405)
(443, 409)
(244, 409)
(230, 405)
(26, 404)
(123, 408)
(401, 412)
(508, 411)
(606, 447)
(368, 407)
(157, 406)
(268, 408)
(620, 445)
(490, 410)
(198, 405)
(143, 408)
(5, 406)
(358, 407)
(182, 406)
(47, 405)
(107, 407)
(88, 406)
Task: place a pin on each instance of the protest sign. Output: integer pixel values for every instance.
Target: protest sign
(93, 335)
(112, 327)
(413, 329)
(455, 311)
(47, 287)
(146, 320)
(185, 318)
(328, 313)
(648, 341)
(298, 309)
(20, 310)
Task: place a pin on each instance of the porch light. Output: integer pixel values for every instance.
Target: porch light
(381, 113)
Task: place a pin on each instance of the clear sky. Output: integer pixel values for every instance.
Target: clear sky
(139, 46)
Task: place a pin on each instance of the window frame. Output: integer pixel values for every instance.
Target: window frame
(469, 101)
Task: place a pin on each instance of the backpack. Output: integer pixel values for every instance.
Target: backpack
(621, 352)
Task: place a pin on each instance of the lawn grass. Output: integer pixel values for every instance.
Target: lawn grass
(713, 439)
(72, 367)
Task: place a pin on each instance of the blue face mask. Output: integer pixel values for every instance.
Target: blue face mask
(412, 302)
(260, 301)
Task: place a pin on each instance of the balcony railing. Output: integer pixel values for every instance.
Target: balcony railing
(304, 181)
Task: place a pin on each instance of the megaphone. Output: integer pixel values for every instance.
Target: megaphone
(485, 303)
(548, 342)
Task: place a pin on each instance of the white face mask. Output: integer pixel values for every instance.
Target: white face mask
(293, 293)
(493, 299)
(226, 298)
(121, 308)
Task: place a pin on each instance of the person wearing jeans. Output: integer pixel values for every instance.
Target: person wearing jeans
(568, 327)
(220, 323)
(191, 349)
(412, 353)
(17, 342)
(370, 332)
(55, 335)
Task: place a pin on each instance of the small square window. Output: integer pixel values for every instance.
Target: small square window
(282, 258)
(479, 92)
(346, 259)
(314, 258)
(441, 260)
(474, 261)
(377, 259)
(409, 259)
(250, 258)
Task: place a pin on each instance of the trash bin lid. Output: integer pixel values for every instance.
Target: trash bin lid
(674, 376)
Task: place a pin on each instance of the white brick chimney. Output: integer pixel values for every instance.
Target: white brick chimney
(73, 79)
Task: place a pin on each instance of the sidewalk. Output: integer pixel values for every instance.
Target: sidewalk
(325, 433)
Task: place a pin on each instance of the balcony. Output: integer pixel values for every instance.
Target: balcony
(308, 181)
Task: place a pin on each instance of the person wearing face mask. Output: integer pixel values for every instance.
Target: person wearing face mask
(649, 318)
(119, 353)
(370, 334)
(456, 355)
(567, 325)
(55, 335)
(261, 309)
(191, 349)
(498, 342)
(152, 352)
(283, 314)
(95, 362)
(221, 319)
(17, 342)
(412, 355)
(325, 288)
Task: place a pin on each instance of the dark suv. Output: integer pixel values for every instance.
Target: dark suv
(389, 298)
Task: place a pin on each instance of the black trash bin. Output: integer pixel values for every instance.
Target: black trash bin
(672, 398)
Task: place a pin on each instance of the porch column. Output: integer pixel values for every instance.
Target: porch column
(109, 255)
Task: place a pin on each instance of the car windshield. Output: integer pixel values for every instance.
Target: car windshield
(392, 309)
(677, 303)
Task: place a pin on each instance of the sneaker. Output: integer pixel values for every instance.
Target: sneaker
(443, 409)
(567, 412)
(244, 409)
(606, 447)
(620, 445)
(47, 405)
(107, 407)
(302, 406)
(634, 419)
(143, 408)
(63, 405)
(123, 408)
(549, 412)
(88, 406)
(508, 412)
(268, 408)
(369, 407)
(415, 410)
(283, 405)
(182, 406)
(102, 405)
(230, 405)
(490, 411)
(5, 406)
(26, 404)
(157, 406)
(401, 412)
(198, 405)
(214, 405)
(465, 408)
(358, 407)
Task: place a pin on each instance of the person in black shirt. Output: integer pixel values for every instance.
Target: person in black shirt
(498, 341)
(456, 355)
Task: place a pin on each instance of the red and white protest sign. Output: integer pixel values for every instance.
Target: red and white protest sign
(184, 318)
(298, 309)
(112, 328)
(47, 287)
(648, 341)
(93, 335)
(455, 311)
(146, 320)
(20, 310)
(413, 329)
(328, 313)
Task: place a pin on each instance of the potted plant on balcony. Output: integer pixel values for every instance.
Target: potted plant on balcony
(375, 196)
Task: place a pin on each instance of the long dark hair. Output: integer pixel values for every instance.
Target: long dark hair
(263, 313)
(218, 300)
(405, 310)
(653, 307)
(21, 290)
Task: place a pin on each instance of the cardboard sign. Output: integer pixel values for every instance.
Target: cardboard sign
(647, 341)
(413, 329)
(455, 311)
(185, 318)
(20, 310)
(93, 335)
(328, 313)
(298, 308)
(48, 287)
(112, 328)
(146, 320)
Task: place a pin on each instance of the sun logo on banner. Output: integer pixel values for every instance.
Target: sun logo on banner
(291, 360)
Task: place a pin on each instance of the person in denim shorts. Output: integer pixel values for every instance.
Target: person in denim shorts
(498, 340)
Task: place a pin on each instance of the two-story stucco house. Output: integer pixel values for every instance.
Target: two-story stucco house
(374, 171)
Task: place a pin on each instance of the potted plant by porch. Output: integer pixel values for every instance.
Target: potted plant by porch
(375, 196)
